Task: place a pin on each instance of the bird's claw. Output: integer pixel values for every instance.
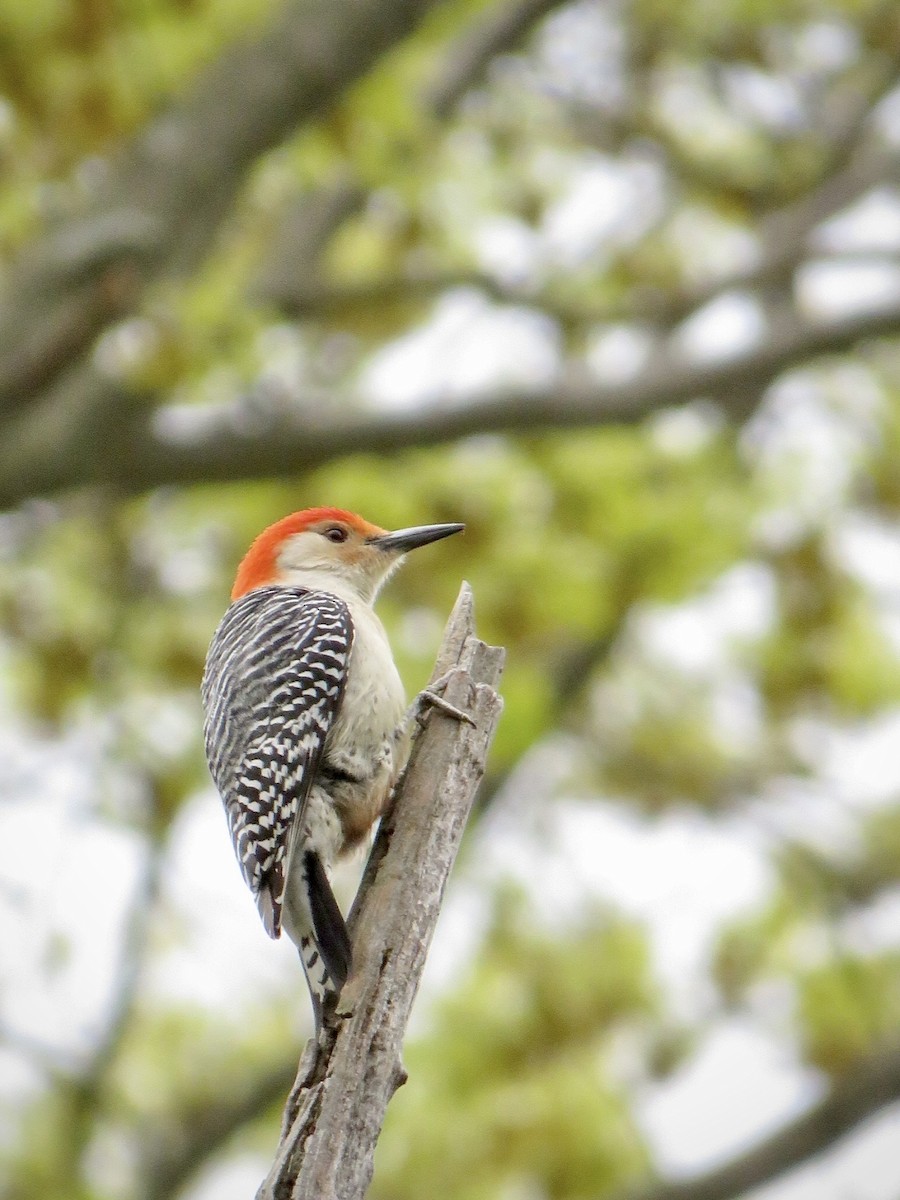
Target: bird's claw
(431, 698)
(446, 707)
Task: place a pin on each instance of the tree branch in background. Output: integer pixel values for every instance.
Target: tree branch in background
(61, 447)
(861, 1092)
(785, 234)
(174, 1149)
(334, 1115)
(161, 200)
(501, 31)
(291, 269)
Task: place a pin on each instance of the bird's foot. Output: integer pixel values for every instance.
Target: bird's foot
(431, 698)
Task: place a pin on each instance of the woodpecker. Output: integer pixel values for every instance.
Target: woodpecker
(305, 719)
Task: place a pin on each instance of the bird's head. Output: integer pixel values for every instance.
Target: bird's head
(330, 549)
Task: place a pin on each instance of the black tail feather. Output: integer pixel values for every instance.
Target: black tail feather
(331, 934)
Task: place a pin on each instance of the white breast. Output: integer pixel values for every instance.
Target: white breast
(374, 703)
(367, 741)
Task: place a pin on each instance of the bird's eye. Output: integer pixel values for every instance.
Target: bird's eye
(336, 534)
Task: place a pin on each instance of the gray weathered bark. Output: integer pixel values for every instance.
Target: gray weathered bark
(335, 1112)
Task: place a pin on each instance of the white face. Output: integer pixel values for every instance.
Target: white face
(334, 554)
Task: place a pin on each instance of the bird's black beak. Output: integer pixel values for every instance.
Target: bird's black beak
(409, 539)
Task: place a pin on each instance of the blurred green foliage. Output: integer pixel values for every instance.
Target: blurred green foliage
(574, 541)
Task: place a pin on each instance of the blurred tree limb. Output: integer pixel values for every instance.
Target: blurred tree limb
(160, 200)
(93, 435)
(499, 32)
(859, 1094)
(346, 1079)
(158, 206)
(175, 1149)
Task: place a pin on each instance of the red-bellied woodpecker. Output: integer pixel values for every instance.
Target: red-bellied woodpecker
(305, 729)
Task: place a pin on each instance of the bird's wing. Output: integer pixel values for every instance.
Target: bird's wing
(272, 688)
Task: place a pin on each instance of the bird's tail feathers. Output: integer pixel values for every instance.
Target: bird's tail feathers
(313, 921)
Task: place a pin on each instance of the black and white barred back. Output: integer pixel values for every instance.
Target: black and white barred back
(272, 688)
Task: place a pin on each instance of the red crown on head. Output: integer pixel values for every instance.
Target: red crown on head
(259, 565)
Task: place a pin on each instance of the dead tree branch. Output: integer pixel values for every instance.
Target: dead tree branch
(335, 1112)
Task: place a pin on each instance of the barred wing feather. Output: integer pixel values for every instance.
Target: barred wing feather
(272, 688)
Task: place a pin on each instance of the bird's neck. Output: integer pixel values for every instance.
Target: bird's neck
(356, 592)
